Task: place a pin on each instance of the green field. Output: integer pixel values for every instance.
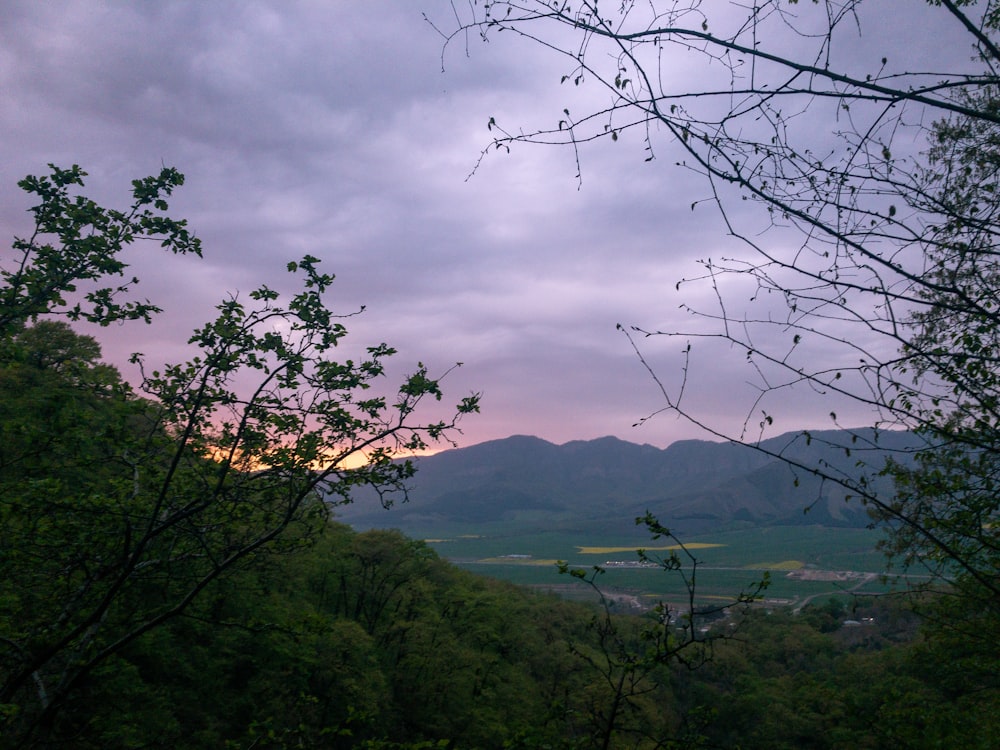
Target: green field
(728, 562)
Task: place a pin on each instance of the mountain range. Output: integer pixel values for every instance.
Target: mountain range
(692, 485)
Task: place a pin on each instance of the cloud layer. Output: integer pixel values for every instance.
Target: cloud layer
(331, 129)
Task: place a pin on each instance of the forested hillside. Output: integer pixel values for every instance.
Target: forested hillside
(370, 640)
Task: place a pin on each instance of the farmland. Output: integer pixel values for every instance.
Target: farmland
(728, 562)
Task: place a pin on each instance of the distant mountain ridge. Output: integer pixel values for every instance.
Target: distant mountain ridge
(691, 485)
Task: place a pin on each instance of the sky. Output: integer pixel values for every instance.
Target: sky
(344, 130)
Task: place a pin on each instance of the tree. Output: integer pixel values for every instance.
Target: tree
(75, 241)
(876, 283)
(631, 655)
(119, 508)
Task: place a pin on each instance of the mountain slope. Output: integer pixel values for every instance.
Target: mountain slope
(691, 485)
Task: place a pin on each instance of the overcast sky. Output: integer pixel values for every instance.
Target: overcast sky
(329, 128)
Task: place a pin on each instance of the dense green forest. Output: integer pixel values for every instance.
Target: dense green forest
(371, 640)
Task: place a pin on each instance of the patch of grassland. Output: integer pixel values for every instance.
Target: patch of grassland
(516, 561)
(783, 565)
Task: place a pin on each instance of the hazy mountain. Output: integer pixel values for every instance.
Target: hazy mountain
(690, 485)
